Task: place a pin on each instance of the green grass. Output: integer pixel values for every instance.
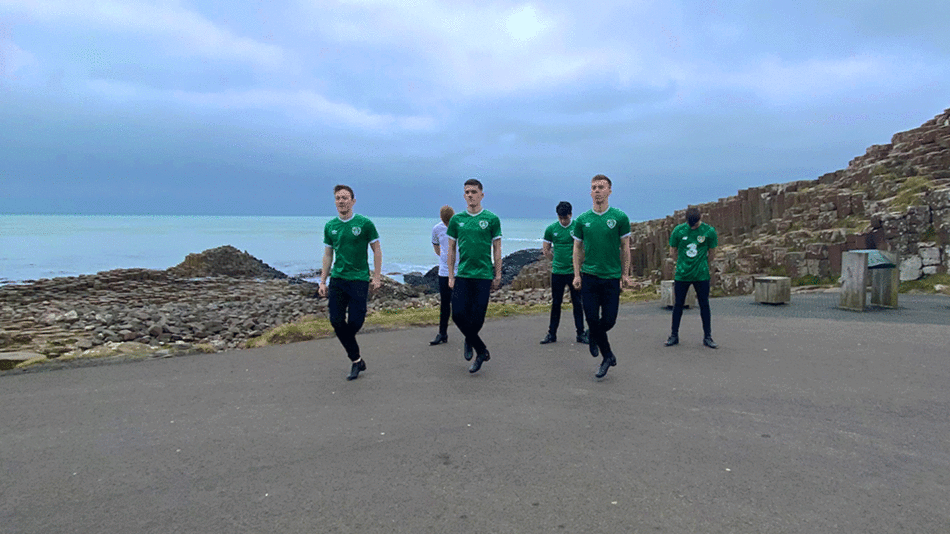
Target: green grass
(812, 280)
(909, 192)
(318, 328)
(926, 284)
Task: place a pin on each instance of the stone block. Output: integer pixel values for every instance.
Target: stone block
(667, 298)
(885, 283)
(854, 275)
(773, 289)
(929, 254)
(911, 268)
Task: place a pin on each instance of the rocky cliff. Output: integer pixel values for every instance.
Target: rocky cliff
(894, 197)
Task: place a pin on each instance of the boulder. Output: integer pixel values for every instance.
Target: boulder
(224, 261)
(512, 264)
(911, 268)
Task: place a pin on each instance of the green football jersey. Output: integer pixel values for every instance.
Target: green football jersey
(350, 241)
(693, 246)
(601, 234)
(562, 245)
(475, 235)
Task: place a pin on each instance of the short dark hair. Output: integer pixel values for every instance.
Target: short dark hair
(693, 215)
(602, 177)
(563, 208)
(476, 183)
(342, 187)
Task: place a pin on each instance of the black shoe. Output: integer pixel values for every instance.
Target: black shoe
(550, 338)
(468, 351)
(479, 360)
(584, 338)
(594, 350)
(355, 369)
(441, 338)
(609, 361)
(672, 340)
(710, 343)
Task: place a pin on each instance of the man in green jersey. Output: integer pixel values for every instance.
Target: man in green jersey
(347, 237)
(558, 246)
(601, 243)
(692, 247)
(477, 234)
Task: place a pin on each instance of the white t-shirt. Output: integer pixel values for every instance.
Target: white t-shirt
(439, 237)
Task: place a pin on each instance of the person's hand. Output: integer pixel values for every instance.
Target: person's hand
(451, 282)
(376, 283)
(322, 290)
(625, 281)
(577, 282)
(496, 283)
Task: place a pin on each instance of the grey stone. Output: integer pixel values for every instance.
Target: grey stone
(911, 268)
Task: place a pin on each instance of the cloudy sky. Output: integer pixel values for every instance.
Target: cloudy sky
(260, 107)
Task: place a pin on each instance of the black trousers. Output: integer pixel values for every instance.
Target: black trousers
(347, 307)
(680, 289)
(601, 298)
(469, 304)
(558, 281)
(445, 304)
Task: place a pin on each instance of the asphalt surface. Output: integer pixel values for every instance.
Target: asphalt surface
(807, 419)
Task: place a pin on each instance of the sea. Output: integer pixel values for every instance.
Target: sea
(47, 246)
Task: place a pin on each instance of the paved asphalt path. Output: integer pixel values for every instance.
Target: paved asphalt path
(808, 419)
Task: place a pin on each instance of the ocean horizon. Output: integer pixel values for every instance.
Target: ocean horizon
(34, 247)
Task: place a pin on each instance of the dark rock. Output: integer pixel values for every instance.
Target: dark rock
(224, 261)
(512, 264)
(428, 283)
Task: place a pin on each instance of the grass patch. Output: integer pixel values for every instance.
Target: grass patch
(852, 222)
(812, 280)
(304, 330)
(778, 270)
(926, 284)
(310, 328)
(909, 193)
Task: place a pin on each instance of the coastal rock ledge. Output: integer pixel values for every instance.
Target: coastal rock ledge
(216, 300)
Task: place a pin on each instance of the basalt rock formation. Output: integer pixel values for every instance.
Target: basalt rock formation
(895, 197)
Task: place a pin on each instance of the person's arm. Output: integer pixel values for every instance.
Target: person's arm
(452, 249)
(578, 261)
(496, 255)
(710, 255)
(377, 264)
(325, 272)
(546, 250)
(674, 253)
(625, 261)
(437, 249)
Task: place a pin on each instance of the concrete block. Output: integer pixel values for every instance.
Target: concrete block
(773, 289)
(854, 276)
(667, 297)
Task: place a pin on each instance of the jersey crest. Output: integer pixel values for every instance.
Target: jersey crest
(700, 239)
(357, 230)
(611, 223)
(483, 224)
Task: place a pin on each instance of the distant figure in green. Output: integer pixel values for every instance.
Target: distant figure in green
(347, 237)
(558, 246)
(601, 254)
(692, 246)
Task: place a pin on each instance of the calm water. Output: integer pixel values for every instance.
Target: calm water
(46, 246)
